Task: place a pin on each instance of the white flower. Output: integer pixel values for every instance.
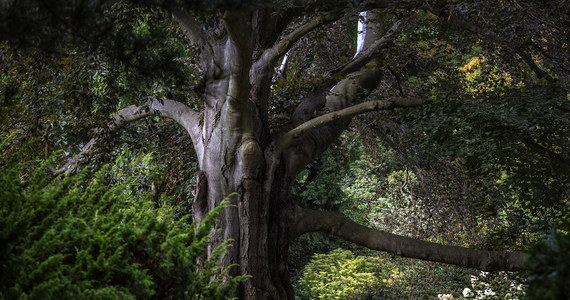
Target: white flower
(467, 293)
(445, 296)
(474, 280)
(489, 292)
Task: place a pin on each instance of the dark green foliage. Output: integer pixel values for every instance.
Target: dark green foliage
(550, 268)
(319, 186)
(123, 53)
(80, 237)
(488, 125)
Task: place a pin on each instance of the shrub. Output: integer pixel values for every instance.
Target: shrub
(338, 275)
(80, 237)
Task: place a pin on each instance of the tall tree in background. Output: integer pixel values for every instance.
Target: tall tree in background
(241, 145)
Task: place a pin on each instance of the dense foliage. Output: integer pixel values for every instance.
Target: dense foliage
(550, 278)
(337, 275)
(82, 236)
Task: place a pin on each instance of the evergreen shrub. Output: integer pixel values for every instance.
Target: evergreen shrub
(80, 237)
(338, 275)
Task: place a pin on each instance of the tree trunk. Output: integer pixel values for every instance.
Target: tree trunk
(236, 158)
(257, 225)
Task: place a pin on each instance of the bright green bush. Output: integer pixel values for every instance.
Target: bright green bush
(79, 237)
(341, 274)
(338, 275)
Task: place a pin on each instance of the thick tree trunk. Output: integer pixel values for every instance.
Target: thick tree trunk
(257, 225)
(235, 159)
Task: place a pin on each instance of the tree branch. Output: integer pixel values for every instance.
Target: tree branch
(177, 111)
(353, 88)
(271, 55)
(311, 104)
(307, 220)
(345, 113)
(349, 90)
(193, 31)
(368, 54)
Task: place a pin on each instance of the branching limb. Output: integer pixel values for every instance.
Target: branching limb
(348, 87)
(352, 89)
(182, 114)
(345, 113)
(177, 111)
(194, 32)
(275, 22)
(369, 54)
(311, 104)
(307, 220)
(270, 56)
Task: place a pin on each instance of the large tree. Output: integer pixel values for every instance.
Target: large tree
(244, 150)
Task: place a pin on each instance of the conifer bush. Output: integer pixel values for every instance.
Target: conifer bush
(338, 275)
(80, 237)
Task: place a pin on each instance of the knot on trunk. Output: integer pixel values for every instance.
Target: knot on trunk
(250, 157)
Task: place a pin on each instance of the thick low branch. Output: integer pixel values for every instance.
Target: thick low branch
(345, 113)
(306, 220)
(177, 111)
